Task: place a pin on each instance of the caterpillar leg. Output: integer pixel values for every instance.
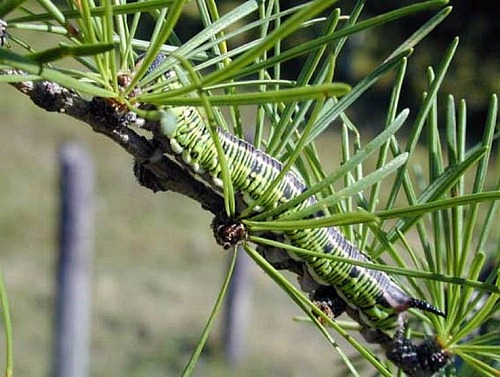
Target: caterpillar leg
(375, 336)
(146, 178)
(328, 301)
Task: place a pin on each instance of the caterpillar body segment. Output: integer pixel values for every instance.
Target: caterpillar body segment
(376, 297)
(251, 169)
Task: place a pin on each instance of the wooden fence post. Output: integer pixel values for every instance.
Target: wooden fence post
(75, 263)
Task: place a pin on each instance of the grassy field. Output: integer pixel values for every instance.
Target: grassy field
(157, 269)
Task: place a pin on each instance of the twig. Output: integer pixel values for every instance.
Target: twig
(105, 118)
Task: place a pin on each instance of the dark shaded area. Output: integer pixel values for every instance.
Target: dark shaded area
(474, 73)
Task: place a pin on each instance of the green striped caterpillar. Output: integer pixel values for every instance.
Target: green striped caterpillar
(373, 297)
(369, 296)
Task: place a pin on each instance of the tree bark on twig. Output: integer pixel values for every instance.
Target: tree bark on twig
(108, 120)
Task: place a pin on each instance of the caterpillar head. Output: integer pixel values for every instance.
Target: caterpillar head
(228, 232)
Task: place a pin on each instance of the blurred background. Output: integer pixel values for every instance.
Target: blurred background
(156, 268)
